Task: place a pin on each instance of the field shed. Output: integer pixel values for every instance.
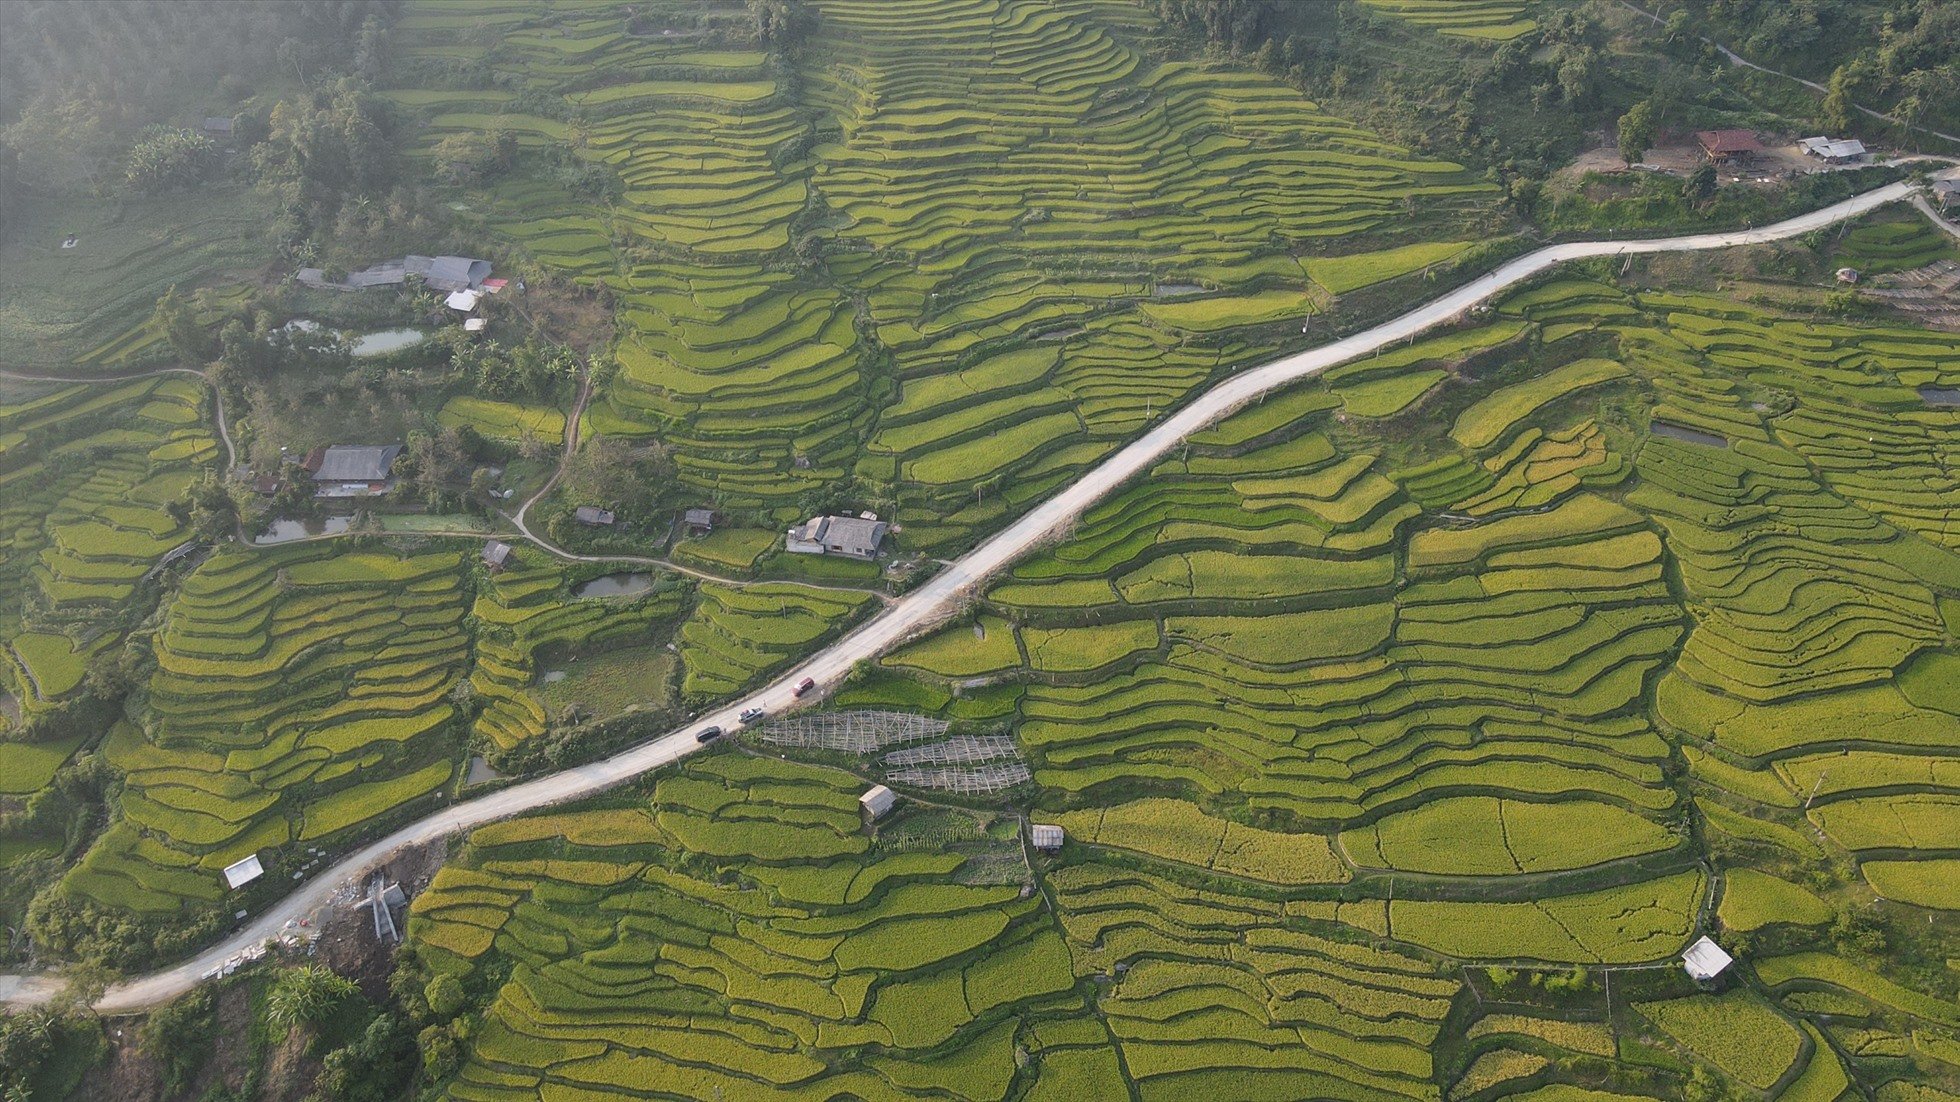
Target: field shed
(1727, 146)
(1835, 151)
(496, 554)
(240, 873)
(1046, 837)
(462, 300)
(217, 126)
(593, 515)
(1946, 194)
(877, 800)
(852, 537)
(1705, 960)
(699, 521)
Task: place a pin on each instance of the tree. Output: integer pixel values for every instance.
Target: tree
(179, 1037)
(439, 1052)
(168, 157)
(445, 995)
(1699, 187)
(1837, 101)
(178, 322)
(63, 142)
(306, 995)
(375, 1068)
(1637, 128)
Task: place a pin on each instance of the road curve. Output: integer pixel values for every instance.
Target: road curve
(926, 605)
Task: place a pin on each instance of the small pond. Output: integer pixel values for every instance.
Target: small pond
(286, 531)
(480, 771)
(384, 341)
(1940, 395)
(378, 343)
(614, 585)
(1692, 436)
(553, 677)
(1173, 290)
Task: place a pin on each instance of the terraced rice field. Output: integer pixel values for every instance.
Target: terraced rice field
(297, 696)
(1484, 20)
(1010, 191)
(87, 473)
(87, 307)
(790, 955)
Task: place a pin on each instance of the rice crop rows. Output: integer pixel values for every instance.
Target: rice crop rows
(793, 956)
(1036, 218)
(297, 694)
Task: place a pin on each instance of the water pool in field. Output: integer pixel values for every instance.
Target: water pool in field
(480, 771)
(614, 585)
(1940, 395)
(1682, 432)
(286, 531)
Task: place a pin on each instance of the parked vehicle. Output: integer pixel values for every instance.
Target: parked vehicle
(708, 734)
(804, 686)
(751, 715)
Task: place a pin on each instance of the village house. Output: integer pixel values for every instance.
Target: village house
(699, 522)
(1729, 147)
(442, 273)
(858, 537)
(352, 470)
(593, 516)
(496, 555)
(217, 127)
(1946, 194)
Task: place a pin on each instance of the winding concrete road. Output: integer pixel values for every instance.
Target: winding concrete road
(925, 606)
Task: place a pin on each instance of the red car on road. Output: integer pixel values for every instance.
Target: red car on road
(804, 686)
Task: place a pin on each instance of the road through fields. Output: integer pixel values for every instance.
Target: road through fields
(926, 605)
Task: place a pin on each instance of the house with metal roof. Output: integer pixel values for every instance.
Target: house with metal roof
(352, 470)
(1705, 960)
(1835, 151)
(877, 800)
(859, 537)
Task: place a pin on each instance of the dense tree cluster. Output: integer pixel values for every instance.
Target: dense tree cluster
(80, 82)
(1902, 57)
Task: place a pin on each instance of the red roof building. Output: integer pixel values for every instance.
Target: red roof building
(1728, 145)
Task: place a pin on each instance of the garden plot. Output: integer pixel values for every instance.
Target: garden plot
(787, 956)
(298, 694)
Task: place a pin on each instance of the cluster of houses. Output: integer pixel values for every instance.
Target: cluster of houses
(466, 279)
(1739, 148)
